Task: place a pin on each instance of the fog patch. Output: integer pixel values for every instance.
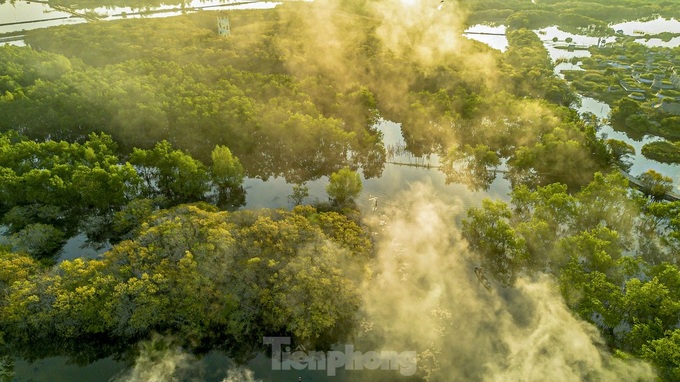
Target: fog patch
(424, 29)
(161, 359)
(425, 296)
(240, 374)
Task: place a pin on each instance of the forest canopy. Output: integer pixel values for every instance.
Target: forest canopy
(52, 190)
(284, 109)
(218, 280)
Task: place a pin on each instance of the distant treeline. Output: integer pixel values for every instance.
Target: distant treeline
(569, 14)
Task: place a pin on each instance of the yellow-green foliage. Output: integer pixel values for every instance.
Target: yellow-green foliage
(206, 276)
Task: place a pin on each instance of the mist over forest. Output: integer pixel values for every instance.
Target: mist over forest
(139, 136)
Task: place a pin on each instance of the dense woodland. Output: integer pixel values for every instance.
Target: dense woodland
(319, 114)
(139, 133)
(585, 239)
(219, 280)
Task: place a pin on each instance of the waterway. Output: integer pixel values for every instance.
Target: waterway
(11, 15)
(490, 35)
(23, 16)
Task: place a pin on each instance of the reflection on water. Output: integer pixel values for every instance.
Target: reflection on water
(495, 42)
(75, 247)
(552, 32)
(655, 26)
(58, 369)
(556, 49)
(489, 35)
(640, 162)
(600, 109)
(556, 54)
(21, 13)
(212, 367)
(566, 66)
(109, 14)
(14, 43)
(481, 28)
(659, 43)
(395, 179)
(26, 11)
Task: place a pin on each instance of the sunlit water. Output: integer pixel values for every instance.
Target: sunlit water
(659, 43)
(26, 11)
(477, 32)
(655, 26)
(27, 16)
(549, 33)
(651, 27)
(640, 163)
(394, 180)
(22, 11)
(384, 191)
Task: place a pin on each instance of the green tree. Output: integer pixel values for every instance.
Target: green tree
(344, 186)
(6, 362)
(171, 174)
(490, 234)
(473, 166)
(621, 153)
(650, 309)
(213, 279)
(227, 174)
(623, 109)
(655, 184)
(598, 249)
(130, 217)
(593, 296)
(104, 190)
(664, 217)
(665, 354)
(662, 151)
(38, 240)
(227, 171)
(300, 193)
(63, 185)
